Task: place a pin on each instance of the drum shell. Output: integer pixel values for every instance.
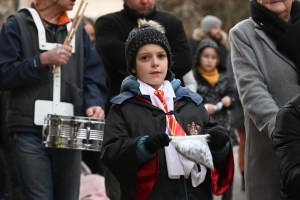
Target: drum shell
(73, 132)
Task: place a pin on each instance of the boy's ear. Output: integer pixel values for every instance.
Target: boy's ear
(133, 71)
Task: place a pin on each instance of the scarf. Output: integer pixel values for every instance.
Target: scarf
(211, 77)
(286, 35)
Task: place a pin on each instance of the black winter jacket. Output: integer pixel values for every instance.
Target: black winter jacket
(287, 146)
(112, 31)
(129, 119)
(213, 95)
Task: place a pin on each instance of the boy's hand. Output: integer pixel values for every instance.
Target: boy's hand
(156, 141)
(218, 137)
(226, 101)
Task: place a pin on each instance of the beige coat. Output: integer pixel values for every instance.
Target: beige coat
(266, 80)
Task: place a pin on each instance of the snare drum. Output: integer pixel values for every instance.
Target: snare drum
(82, 133)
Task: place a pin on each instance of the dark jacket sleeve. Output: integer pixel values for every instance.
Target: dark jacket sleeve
(119, 148)
(94, 76)
(182, 54)
(109, 45)
(287, 146)
(219, 155)
(15, 71)
(231, 94)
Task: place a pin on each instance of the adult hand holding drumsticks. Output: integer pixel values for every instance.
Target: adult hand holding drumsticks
(77, 20)
(56, 56)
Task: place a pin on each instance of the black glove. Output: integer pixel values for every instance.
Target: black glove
(156, 141)
(218, 137)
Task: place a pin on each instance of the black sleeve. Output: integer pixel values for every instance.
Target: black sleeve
(109, 44)
(118, 147)
(287, 146)
(219, 155)
(182, 55)
(231, 94)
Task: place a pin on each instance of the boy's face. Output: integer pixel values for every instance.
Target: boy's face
(151, 65)
(209, 59)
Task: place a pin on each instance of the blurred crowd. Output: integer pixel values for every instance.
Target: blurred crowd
(208, 63)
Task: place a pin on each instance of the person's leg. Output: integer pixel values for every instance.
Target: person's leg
(2, 178)
(112, 185)
(242, 136)
(66, 167)
(228, 194)
(9, 161)
(33, 167)
(92, 160)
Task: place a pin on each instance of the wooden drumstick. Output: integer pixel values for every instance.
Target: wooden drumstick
(73, 29)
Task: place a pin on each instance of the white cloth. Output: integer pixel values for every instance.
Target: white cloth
(190, 81)
(177, 164)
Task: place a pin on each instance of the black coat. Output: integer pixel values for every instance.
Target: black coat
(287, 146)
(126, 123)
(112, 31)
(4, 136)
(213, 95)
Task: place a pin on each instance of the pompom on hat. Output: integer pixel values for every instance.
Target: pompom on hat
(147, 32)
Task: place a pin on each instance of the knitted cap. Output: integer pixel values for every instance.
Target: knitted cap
(202, 45)
(147, 32)
(208, 22)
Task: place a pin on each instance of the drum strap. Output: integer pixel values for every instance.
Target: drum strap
(43, 44)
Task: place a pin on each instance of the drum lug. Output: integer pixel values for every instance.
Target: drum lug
(88, 132)
(45, 130)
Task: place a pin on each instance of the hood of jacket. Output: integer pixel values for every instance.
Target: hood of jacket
(199, 35)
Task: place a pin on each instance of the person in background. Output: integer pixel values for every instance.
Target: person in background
(6, 148)
(210, 27)
(214, 87)
(137, 150)
(287, 146)
(266, 63)
(26, 76)
(91, 159)
(89, 26)
(6, 154)
(238, 124)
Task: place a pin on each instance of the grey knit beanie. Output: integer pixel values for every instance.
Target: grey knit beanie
(147, 32)
(208, 22)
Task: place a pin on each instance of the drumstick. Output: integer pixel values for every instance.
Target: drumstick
(72, 31)
(77, 25)
(73, 24)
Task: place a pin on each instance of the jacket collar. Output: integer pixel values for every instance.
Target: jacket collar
(130, 88)
(271, 44)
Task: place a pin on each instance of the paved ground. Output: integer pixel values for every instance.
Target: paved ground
(236, 193)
